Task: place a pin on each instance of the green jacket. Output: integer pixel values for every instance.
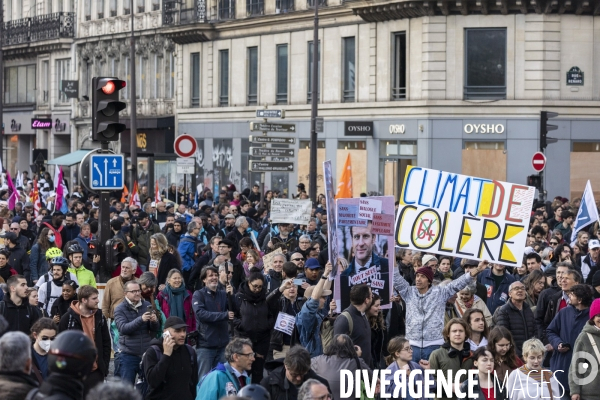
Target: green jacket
(441, 360)
(141, 240)
(591, 389)
(84, 276)
(219, 383)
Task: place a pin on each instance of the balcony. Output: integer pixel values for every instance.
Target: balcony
(183, 12)
(40, 28)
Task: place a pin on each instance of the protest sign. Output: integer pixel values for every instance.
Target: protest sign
(331, 217)
(290, 211)
(268, 259)
(364, 247)
(285, 323)
(463, 216)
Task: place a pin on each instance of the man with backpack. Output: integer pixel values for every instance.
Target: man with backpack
(169, 365)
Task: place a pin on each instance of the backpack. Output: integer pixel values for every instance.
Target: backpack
(142, 383)
(327, 329)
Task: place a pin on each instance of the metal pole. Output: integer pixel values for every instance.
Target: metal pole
(133, 105)
(2, 83)
(104, 229)
(312, 182)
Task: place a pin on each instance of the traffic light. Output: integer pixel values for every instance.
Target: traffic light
(535, 181)
(105, 109)
(545, 128)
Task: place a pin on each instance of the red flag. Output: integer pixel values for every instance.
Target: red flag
(157, 196)
(35, 199)
(344, 187)
(135, 196)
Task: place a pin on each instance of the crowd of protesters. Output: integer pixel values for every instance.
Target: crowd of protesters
(191, 310)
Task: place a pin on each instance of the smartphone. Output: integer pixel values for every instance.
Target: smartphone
(166, 334)
(299, 282)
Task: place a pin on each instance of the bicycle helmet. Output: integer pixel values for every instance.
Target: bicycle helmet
(53, 252)
(72, 353)
(254, 392)
(74, 248)
(63, 262)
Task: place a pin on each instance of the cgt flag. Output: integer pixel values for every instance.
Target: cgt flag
(588, 212)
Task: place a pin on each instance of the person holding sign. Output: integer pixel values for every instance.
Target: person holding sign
(288, 304)
(425, 305)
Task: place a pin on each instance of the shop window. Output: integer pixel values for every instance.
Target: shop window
(488, 161)
(393, 148)
(352, 145)
(399, 66)
(252, 76)
(222, 155)
(484, 145)
(485, 64)
(586, 147)
(282, 74)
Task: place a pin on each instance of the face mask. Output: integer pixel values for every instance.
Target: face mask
(51, 239)
(45, 345)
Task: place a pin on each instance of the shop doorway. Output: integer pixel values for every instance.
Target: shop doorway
(394, 157)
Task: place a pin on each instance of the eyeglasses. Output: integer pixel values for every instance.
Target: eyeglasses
(409, 349)
(14, 229)
(519, 288)
(229, 272)
(298, 259)
(250, 355)
(134, 291)
(256, 287)
(553, 243)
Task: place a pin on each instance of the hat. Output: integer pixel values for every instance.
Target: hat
(596, 279)
(10, 236)
(471, 263)
(528, 250)
(170, 205)
(57, 214)
(310, 289)
(153, 204)
(550, 271)
(594, 244)
(175, 323)
(29, 204)
(312, 263)
(142, 215)
(230, 216)
(300, 186)
(427, 272)
(125, 229)
(17, 219)
(427, 258)
(113, 210)
(595, 308)
(226, 242)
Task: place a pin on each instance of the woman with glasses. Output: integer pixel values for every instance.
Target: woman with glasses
(38, 265)
(43, 332)
(502, 346)
(253, 319)
(400, 359)
(304, 244)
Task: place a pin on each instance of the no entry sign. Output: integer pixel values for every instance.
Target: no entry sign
(185, 146)
(538, 162)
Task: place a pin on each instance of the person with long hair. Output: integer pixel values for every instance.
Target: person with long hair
(502, 346)
(43, 332)
(176, 300)
(253, 260)
(340, 355)
(562, 253)
(484, 384)
(161, 260)
(38, 264)
(375, 317)
(400, 358)
(6, 270)
(477, 322)
(32, 296)
(534, 284)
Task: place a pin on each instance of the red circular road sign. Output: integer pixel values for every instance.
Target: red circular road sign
(185, 146)
(538, 161)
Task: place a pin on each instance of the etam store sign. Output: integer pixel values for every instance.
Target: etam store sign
(484, 128)
(41, 123)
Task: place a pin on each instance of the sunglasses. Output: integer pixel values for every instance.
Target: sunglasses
(298, 259)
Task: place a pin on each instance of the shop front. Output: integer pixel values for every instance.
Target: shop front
(18, 141)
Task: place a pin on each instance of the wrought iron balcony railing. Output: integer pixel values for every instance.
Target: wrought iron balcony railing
(42, 27)
(176, 13)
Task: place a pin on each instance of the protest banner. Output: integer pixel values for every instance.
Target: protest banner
(331, 217)
(268, 259)
(463, 216)
(290, 211)
(365, 241)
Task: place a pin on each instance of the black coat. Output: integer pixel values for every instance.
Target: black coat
(280, 303)
(279, 387)
(519, 322)
(253, 318)
(20, 318)
(19, 260)
(167, 262)
(545, 311)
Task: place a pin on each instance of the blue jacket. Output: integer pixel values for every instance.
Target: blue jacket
(38, 265)
(308, 324)
(187, 250)
(219, 383)
(565, 328)
(135, 334)
(212, 319)
(84, 243)
(375, 260)
(496, 296)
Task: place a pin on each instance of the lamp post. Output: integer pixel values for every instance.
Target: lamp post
(312, 181)
(133, 104)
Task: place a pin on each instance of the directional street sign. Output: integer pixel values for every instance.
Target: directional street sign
(106, 172)
(271, 166)
(268, 126)
(270, 113)
(271, 152)
(272, 139)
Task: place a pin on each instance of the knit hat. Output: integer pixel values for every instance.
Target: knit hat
(595, 308)
(427, 258)
(427, 272)
(596, 279)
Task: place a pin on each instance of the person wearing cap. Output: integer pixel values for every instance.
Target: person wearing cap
(301, 188)
(588, 342)
(497, 281)
(308, 321)
(425, 305)
(140, 236)
(590, 264)
(170, 365)
(179, 229)
(311, 272)
(228, 227)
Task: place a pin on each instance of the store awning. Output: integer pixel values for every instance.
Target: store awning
(69, 159)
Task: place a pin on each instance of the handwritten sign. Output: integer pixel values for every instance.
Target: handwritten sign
(289, 211)
(285, 323)
(383, 224)
(268, 259)
(367, 207)
(463, 216)
(347, 215)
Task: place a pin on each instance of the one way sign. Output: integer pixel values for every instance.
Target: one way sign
(106, 172)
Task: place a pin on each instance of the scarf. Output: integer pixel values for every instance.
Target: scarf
(536, 374)
(250, 295)
(5, 272)
(176, 297)
(258, 265)
(59, 282)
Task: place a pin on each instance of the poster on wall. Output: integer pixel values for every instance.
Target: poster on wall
(365, 240)
(463, 216)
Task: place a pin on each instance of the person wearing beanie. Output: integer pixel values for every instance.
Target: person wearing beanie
(425, 306)
(584, 344)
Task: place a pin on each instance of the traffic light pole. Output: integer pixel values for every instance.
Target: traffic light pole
(312, 179)
(133, 104)
(104, 231)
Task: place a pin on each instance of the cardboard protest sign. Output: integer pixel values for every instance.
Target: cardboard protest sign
(268, 259)
(365, 240)
(331, 217)
(463, 216)
(290, 211)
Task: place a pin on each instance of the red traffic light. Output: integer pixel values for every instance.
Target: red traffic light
(109, 88)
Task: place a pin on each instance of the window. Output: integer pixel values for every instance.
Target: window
(155, 5)
(19, 84)
(195, 92)
(393, 148)
(399, 66)
(252, 76)
(141, 6)
(284, 6)
(100, 8)
(88, 9)
(349, 68)
(114, 67)
(485, 64)
(141, 78)
(311, 3)
(226, 9)
(62, 74)
(171, 74)
(255, 7)
(156, 76)
(49, 6)
(125, 93)
(484, 145)
(126, 9)
(45, 81)
(310, 72)
(223, 78)
(113, 8)
(282, 74)
(86, 79)
(586, 147)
